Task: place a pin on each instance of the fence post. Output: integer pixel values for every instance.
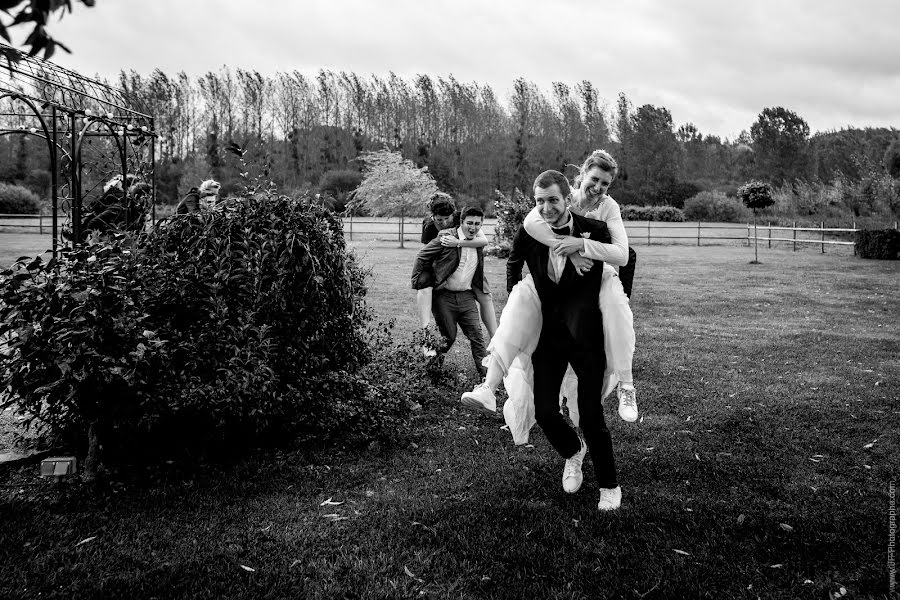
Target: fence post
(648, 231)
(351, 226)
(794, 227)
(41, 223)
(770, 234)
(823, 237)
(748, 235)
(698, 234)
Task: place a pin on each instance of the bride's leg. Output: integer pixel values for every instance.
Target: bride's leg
(618, 331)
(618, 327)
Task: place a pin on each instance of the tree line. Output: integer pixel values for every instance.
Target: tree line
(306, 133)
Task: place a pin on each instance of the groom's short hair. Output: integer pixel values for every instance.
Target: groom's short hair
(550, 178)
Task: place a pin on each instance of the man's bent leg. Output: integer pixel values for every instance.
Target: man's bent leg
(550, 362)
(443, 308)
(470, 322)
(589, 367)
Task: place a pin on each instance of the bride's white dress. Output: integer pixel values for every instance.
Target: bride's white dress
(520, 328)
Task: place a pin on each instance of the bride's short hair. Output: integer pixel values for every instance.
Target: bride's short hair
(598, 158)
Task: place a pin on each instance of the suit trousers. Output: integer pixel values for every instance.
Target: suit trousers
(554, 352)
(459, 308)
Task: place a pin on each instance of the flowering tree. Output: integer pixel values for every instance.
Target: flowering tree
(393, 186)
(756, 195)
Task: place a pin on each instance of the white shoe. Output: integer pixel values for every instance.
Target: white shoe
(428, 352)
(627, 402)
(572, 476)
(610, 499)
(481, 398)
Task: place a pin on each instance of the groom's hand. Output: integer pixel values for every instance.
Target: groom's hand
(581, 263)
(568, 245)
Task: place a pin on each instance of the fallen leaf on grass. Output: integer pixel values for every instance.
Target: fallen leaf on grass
(807, 582)
(786, 527)
(504, 428)
(697, 456)
(870, 444)
(740, 518)
(682, 552)
(295, 563)
(86, 540)
(330, 503)
(776, 566)
(248, 569)
(424, 526)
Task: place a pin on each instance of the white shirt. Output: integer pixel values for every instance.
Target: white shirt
(461, 279)
(558, 263)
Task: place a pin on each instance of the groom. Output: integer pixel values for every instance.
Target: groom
(572, 333)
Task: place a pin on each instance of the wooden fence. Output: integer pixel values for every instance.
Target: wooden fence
(639, 232)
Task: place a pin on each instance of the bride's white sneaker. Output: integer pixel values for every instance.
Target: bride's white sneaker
(572, 476)
(610, 499)
(627, 402)
(481, 398)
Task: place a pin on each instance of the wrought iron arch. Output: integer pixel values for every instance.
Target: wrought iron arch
(92, 130)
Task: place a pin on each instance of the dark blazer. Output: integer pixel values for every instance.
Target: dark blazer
(190, 203)
(436, 263)
(574, 300)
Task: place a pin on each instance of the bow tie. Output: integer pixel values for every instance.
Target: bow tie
(567, 230)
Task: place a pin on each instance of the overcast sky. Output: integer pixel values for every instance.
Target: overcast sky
(714, 63)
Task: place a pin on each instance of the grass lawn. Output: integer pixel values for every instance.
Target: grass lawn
(760, 469)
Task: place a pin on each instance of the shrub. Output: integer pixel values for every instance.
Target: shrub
(878, 243)
(714, 207)
(652, 213)
(18, 200)
(673, 194)
(240, 326)
(756, 195)
(510, 213)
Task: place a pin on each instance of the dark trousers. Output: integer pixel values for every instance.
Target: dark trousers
(459, 308)
(556, 349)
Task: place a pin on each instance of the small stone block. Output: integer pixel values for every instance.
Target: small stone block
(58, 466)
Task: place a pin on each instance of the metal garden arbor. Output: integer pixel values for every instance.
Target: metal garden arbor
(91, 129)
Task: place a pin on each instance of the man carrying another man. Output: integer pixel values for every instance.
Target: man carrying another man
(455, 273)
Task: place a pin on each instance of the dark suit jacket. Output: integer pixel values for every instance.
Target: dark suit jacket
(430, 230)
(436, 263)
(574, 300)
(190, 203)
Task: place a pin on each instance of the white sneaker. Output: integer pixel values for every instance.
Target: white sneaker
(428, 352)
(572, 476)
(610, 499)
(481, 398)
(627, 402)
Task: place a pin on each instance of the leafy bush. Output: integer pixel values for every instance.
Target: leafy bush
(510, 214)
(673, 194)
(652, 213)
(228, 328)
(18, 200)
(878, 243)
(714, 207)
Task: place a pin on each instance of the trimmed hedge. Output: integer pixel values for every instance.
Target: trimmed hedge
(878, 243)
(18, 200)
(652, 213)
